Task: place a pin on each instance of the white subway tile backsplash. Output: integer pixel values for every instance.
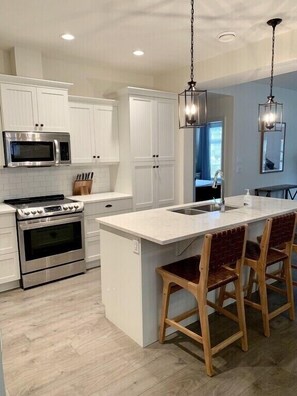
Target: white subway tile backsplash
(26, 182)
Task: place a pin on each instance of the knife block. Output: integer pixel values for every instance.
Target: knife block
(82, 187)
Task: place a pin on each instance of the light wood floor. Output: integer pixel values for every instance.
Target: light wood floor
(56, 342)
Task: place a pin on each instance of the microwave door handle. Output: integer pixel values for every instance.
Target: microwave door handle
(57, 152)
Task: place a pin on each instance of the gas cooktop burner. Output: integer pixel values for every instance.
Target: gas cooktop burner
(44, 206)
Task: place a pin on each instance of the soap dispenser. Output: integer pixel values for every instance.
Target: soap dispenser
(247, 200)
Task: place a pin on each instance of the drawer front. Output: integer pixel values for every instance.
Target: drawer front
(7, 220)
(101, 208)
(8, 242)
(92, 226)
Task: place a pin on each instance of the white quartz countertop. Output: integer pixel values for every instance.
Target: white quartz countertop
(163, 226)
(107, 196)
(4, 209)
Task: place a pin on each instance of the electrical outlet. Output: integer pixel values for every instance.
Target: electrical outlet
(135, 246)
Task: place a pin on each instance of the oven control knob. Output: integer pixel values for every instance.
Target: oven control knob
(39, 211)
(65, 207)
(75, 206)
(70, 207)
(27, 213)
(33, 212)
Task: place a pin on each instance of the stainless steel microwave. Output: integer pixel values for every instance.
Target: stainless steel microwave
(36, 149)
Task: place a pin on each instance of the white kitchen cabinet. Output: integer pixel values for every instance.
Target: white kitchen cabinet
(9, 261)
(94, 130)
(93, 210)
(152, 126)
(30, 108)
(153, 184)
(148, 125)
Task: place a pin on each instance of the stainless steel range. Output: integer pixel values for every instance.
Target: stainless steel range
(50, 238)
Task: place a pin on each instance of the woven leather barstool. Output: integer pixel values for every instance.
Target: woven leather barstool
(275, 246)
(220, 263)
(294, 250)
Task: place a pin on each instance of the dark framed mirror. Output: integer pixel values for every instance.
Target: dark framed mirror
(273, 150)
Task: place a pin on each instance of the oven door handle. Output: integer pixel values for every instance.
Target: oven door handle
(29, 225)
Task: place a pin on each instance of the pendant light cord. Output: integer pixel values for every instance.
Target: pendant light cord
(272, 60)
(192, 40)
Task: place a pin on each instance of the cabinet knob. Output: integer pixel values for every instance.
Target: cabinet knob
(157, 166)
(157, 155)
(94, 156)
(36, 125)
(98, 156)
(154, 166)
(154, 156)
(42, 125)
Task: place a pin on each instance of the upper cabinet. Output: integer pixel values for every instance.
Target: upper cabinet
(28, 107)
(152, 123)
(93, 130)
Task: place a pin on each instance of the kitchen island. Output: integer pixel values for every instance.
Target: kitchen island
(134, 244)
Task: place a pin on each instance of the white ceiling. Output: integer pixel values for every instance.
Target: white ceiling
(107, 31)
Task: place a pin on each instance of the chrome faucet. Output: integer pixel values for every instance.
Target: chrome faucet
(219, 173)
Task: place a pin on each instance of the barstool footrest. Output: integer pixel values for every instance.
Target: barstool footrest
(217, 348)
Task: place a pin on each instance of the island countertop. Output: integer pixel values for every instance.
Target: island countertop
(162, 226)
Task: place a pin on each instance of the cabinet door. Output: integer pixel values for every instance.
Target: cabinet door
(18, 107)
(92, 245)
(143, 196)
(53, 110)
(164, 184)
(81, 132)
(142, 126)
(8, 240)
(166, 128)
(106, 133)
(9, 267)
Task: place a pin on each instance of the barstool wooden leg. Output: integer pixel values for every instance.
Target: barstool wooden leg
(164, 309)
(221, 297)
(252, 280)
(203, 314)
(289, 285)
(264, 302)
(241, 314)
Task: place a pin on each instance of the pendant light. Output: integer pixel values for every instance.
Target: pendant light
(192, 102)
(271, 112)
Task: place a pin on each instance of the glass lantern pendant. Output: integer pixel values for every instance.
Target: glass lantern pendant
(271, 112)
(192, 102)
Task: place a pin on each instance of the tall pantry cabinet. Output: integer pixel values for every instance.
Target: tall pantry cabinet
(147, 120)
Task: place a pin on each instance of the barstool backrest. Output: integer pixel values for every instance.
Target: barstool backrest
(282, 229)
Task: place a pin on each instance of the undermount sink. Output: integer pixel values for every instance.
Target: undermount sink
(188, 211)
(196, 210)
(212, 208)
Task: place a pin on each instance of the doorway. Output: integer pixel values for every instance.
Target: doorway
(208, 158)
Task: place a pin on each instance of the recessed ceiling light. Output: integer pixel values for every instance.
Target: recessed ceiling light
(226, 37)
(138, 52)
(67, 36)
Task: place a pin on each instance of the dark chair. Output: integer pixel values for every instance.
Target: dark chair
(220, 263)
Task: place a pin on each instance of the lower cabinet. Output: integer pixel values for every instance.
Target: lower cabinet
(92, 232)
(9, 260)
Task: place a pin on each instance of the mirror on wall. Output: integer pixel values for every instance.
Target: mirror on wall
(272, 150)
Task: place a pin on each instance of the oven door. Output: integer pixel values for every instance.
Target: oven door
(50, 242)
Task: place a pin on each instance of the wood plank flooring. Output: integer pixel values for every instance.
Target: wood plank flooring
(57, 342)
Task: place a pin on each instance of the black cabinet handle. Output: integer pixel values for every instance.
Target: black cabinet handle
(157, 166)
(154, 156)
(154, 166)
(42, 125)
(108, 206)
(94, 156)
(36, 125)
(157, 155)
(98, 156)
